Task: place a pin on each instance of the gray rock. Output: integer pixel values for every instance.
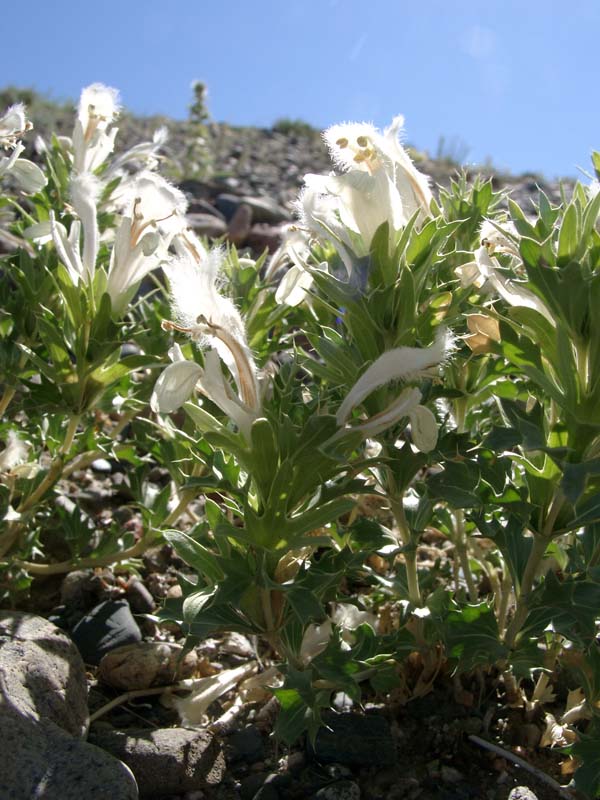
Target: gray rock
(44, 714)
(355, 740)
(48, 764)
(207, 225)
(107, 626)
(264, 237)
(342, 790)
(167, 760)
(239, 225)
(42, 676)
(263, 209)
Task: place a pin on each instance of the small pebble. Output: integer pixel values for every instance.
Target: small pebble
(102, 465)
(522, 793)
(139, 598)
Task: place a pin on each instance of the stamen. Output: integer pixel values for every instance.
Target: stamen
(168, 325)
(343, 142)
(362, 141)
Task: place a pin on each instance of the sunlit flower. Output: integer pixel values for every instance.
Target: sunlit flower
(513, 292)
(401, 363)
(85, 189)
(93, 138)
(378, 183)
(13, 126)
(143, 154)
(498, 238)
(28, 176)
(212, 321)
(155, 213)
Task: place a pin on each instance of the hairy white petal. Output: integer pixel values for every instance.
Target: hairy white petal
(400, 407)
(510, 291)
(174, 385)
(400, 363)
(67, 248)
(423, 428)
(30, 177)
(213, 384)
(85, 189)
(293, 286)
(13, 123)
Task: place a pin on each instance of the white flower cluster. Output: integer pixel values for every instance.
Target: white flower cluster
(151, 211)
(13, 125)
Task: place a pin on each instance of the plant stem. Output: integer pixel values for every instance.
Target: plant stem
(5, 400)
(136, 550)
(185, 498)
(461, 549)
(72, 426)
(540, 543)
(410, 551)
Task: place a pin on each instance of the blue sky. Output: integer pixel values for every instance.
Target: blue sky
(513, 81)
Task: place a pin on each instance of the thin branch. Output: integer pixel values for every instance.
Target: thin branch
(542, 776)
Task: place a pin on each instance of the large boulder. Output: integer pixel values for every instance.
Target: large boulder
(44, 719)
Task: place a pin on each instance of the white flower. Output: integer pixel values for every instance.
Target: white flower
(347, 617)
(361, 146)
(93, 141)
(67, 246)
(379, 183)
(213, 320)
(204, 691)
(499, 238)
(85, 190)
(293, 286)
(207, 316)
(28, 175)
(143, 153)
(13, 125)
(511, 291)
(155, 213)
(175, 383)
(401, 363)
(15, 452)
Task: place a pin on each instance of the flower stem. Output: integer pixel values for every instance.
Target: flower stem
(461, 549)
(136, 550)
(540, 543)
(410, 551)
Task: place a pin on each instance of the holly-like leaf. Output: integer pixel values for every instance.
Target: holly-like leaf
(471, 635)
(570, 607)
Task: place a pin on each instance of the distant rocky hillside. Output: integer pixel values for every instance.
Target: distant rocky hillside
(243, 181)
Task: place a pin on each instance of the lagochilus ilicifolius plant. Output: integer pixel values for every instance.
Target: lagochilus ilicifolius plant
(406, 374)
